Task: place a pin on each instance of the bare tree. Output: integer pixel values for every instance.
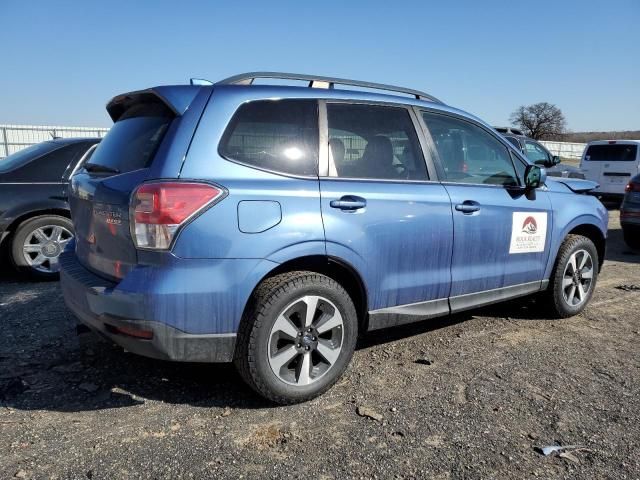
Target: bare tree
(539, 120)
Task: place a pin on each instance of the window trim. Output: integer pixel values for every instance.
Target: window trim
(510, 148)
(78, 162)
(324, 162)
(226, 130)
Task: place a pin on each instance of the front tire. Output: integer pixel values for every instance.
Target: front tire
(574, 277)
(297, 337)
(37, 244)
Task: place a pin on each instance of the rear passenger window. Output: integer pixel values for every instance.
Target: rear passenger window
(468, 153)
(369, 141)
(514, 141)
(275, 135)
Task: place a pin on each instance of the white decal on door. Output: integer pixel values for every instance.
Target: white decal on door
(528, 232)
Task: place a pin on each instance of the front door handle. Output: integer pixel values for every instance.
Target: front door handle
(468, 207)
(349, 203)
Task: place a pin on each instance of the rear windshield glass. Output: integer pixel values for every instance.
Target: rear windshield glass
(134, 138)
(514, 141)
(25, 155)
(611, 153)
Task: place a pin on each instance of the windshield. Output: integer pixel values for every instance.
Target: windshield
(25, 155)
(133, 140)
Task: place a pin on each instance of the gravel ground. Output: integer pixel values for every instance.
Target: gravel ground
(470, 396)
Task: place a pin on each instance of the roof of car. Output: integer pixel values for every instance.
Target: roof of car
(255, 92)
(613, 142)
(68, 141)
(510, 131)
(178, 97)
(317, 81)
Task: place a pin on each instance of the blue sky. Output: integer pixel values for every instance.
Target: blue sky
(62, 60)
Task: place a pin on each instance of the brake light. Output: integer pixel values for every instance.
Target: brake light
(159, 209)
(632, 187)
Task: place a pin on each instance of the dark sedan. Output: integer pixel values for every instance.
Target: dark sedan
(630, 213)
(35, 223)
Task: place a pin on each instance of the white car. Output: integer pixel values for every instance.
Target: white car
(611, 163)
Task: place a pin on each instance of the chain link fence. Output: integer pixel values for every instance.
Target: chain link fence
(17, 137)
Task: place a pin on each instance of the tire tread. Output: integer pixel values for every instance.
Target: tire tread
(263, 298)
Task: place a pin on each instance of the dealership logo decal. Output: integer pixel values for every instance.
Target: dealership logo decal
(530, 226)
(528, 232)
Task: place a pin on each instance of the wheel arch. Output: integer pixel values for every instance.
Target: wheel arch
(593, 233)
(17, 221)
(335, 268)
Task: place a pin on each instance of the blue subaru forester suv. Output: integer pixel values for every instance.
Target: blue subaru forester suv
(271, 225)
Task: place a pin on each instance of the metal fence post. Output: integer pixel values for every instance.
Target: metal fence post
(5, 141)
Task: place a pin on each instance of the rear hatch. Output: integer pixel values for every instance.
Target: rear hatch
(611, 164)
(101, 190)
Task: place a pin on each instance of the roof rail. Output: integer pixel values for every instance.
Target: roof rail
(322, 82)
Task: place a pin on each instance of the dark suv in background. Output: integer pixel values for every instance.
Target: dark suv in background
(538, 154)
(630, 213)
(35, 222)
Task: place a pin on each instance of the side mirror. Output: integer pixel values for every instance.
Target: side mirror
(555, 159)
(534, 177)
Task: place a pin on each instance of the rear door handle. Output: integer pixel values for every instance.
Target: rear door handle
(468, 206)
(349, 202)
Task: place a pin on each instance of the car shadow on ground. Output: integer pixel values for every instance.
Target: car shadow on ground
(67, 372)
(74, 373)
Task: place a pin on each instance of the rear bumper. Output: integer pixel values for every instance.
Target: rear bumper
(632, 223)
(630, 211)
(98, 304)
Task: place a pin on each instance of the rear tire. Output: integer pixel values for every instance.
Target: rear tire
(37, 244)
(286, 354)
(632, 237)
(574, 277)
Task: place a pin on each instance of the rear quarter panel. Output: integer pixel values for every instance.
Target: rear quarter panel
(19, 199)
(220, 232)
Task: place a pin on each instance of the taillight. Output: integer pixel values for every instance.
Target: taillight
(632, 187)
(159, 209)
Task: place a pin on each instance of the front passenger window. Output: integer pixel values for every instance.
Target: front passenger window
(468, 153)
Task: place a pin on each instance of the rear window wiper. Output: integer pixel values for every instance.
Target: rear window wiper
(95, 167)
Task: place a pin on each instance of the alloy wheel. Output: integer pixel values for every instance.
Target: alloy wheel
(577, 278)
(305, 340)
(43, 246)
